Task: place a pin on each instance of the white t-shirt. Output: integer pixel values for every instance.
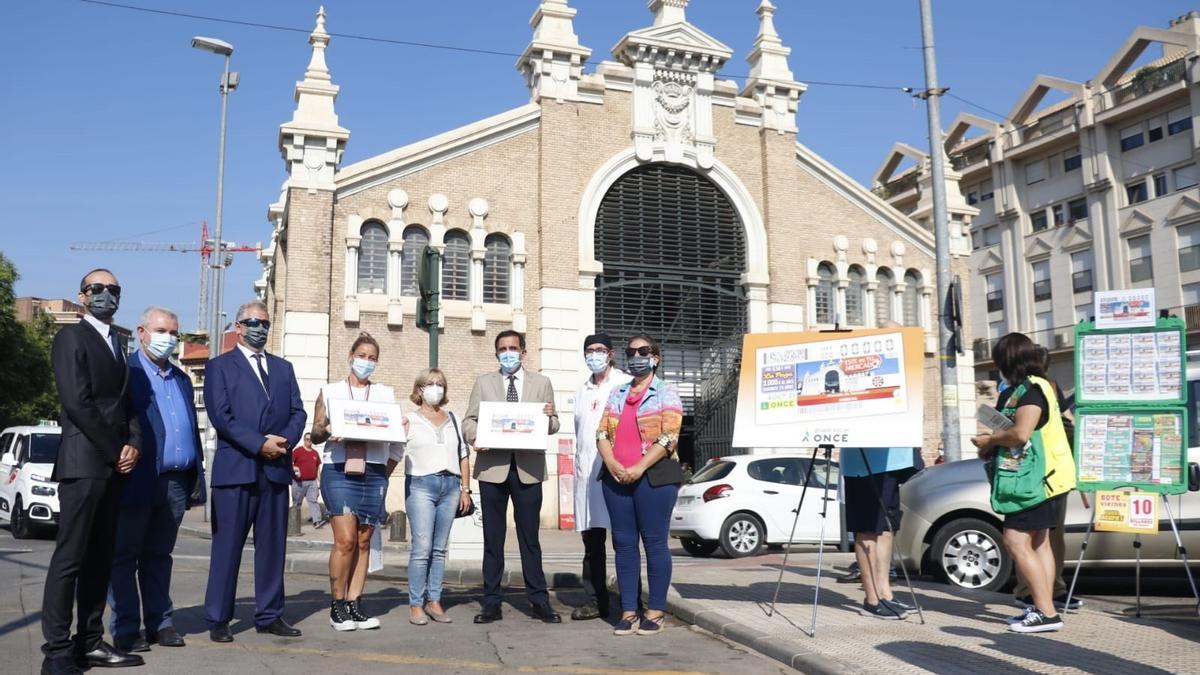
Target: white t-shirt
(378, 452)
(590, 400)
(431, 448)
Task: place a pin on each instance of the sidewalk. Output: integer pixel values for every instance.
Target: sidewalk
(962, 632)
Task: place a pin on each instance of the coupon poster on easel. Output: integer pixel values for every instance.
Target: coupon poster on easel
(862, 388)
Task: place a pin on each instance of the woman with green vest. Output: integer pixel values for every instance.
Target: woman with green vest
(1032, 471)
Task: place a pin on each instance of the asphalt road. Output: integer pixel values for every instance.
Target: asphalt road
(518, 643)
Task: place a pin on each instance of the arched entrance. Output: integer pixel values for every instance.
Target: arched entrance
(673, 250)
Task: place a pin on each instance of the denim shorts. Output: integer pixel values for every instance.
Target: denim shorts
(360, 496)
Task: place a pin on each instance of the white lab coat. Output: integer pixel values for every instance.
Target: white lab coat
(590, 400)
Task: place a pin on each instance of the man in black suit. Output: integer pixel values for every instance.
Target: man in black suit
(100, 441)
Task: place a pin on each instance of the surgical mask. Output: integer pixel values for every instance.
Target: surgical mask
(510, 362)
(432, 393)
(256, 336)
(103, 305)
(161, 345)
(362, 368)
(640, 365)
(596, 362)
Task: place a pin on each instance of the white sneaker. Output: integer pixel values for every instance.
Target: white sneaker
(339, 616)
(1036, 622)
(361, 620)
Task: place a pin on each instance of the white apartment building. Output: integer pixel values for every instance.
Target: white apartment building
(1096, 191)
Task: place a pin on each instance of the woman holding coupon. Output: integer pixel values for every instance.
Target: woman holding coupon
(354, 485)
(637, 439)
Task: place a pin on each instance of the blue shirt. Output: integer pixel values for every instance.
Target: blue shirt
(177, 448)
(881, 460)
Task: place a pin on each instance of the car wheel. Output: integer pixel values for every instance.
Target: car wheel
(19, 525)
(698, 548)
(969, 553)
(742, 535)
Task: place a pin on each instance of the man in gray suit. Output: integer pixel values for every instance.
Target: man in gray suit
(511, 474)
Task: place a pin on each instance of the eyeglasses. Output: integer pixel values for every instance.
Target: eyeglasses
(603, 351)
(644, 350)
(96, 289)
(255, 323)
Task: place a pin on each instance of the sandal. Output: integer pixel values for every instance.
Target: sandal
(652, 626)
(625, 625)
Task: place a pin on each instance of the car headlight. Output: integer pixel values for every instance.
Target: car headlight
(42, 491)
(40, 478)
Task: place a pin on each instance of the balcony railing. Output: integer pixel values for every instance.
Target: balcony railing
(1047, 125)
(1149, 80)
(895, 187)
(970, 156)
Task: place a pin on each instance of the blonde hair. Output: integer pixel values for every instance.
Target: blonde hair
(425, 377)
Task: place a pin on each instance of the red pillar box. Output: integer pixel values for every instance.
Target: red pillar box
(566, 484)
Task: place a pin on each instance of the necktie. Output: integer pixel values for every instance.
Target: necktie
(116, 346)
(511, 396)
(262, 374)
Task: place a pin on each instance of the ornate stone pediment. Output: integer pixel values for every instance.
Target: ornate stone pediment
(1038, 247)
(1077, 238)
(1136, 223)
(991, 259)
(677, 45)
(1185, 211)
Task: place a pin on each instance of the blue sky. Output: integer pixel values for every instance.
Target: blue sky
(112, 119)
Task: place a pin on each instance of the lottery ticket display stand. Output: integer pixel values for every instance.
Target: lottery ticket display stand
(1131, 423)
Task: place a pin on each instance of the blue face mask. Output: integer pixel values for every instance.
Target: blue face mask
(640, 365)
(596, 363)
(510, 362)
(362, 368)
(161, 345)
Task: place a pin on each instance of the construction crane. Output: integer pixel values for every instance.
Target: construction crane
(205, 248)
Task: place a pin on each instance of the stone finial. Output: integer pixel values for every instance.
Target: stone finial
(771, 82)
(312, 142)
(319, 39)
(669, 11)
(553, 61)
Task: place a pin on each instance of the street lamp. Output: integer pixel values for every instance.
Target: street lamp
(229, 82)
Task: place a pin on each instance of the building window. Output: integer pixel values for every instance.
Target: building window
(912, 298)
(497, 259)
(1072, 161)
(372, 258)
(1077, 209)
(825, 303)
(1140, 260)
(456, 266)
(1185, 176)
(1083, 312)
(1044, 329)
(855, 297)
(986, 191)
(1037, 220)
(1135, 193)
(1160, 184)
(1189, 247)
(972, 197)
(1041, 280)
(1179, 120)
(995, 292)
(1035, 172)
(1191, 294)
(883, 296)
(1059, 214)
(1156, 132)
(415, 241)
(1131, 137)
(1081, 271)
(991, 235)
(997, 329)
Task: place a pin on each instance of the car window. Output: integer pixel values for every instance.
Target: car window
(20, 448)
(783, 470)
(5, 440)
(44, 448)
(1193, 423)
(712, 471)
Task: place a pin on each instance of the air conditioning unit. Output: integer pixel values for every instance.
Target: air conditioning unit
(1064, 340)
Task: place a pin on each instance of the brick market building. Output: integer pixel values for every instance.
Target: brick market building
(646, 194)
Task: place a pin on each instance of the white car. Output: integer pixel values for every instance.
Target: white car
(28, 498)
(741, 503)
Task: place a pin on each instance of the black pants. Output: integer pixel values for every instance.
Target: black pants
(595, 567)
(81, 565)
(527, 507)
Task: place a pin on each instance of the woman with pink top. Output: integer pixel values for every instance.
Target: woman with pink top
(637, 439)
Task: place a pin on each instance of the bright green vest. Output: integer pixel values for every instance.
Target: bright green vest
(1045, 469)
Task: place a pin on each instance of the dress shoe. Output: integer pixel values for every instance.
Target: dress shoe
(135, 644)
(586, 612)
(542, 612)
(279, 627)
(167, 637)
(104, 655)
(489, 614)
(219, 632)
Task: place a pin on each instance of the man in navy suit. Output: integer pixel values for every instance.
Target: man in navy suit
(168, 479)
(253, 402)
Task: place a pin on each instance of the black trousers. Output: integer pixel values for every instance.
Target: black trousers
(81, 565)
(527, 507)
(595, 567)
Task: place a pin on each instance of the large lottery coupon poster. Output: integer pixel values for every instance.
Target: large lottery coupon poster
(1138, 366)
(807, 389)
(1127, 448)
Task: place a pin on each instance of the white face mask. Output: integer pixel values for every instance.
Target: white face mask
(432, 394)
(161, 345)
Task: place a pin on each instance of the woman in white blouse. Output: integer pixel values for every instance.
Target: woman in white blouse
(354, 487)
(435, 462)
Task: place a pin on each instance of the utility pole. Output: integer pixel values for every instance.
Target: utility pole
(947, 346)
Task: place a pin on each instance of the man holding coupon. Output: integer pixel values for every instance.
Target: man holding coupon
(505, 474)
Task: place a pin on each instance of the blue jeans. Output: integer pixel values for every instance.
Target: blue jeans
(431, 502)
(641, 511)
(142, 560)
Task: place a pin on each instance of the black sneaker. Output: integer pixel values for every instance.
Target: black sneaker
(853, 575)
(1036, 622)
(1060, 602)
(362, 620)
(882, 611)
(1021, 617)
(339, 616)
(897, 606)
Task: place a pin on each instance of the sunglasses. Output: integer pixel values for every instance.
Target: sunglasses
(96, 289)
(255, 323)
(644, 350)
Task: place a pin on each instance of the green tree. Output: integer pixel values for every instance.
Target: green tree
(27, 391)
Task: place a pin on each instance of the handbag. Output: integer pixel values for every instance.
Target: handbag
(463, 451)
(356, 458)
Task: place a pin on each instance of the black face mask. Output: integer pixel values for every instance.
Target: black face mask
(103, 305)
(256, 336)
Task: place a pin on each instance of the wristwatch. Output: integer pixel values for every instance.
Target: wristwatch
(665, 441)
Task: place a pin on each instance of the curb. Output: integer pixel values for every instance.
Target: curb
(292, 542)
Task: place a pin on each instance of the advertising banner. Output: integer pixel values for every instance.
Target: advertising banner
(1124, 511)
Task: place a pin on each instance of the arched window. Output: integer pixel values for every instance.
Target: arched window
(825, 298)
(456, 266)
(912, 298)
(496, 259)
(415, 241)
(884, 282)
(372, 258)
(856, 297)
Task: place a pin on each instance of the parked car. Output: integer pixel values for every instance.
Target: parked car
(741, 503)
(28, 498)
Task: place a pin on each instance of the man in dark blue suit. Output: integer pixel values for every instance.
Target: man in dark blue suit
(168, 479)
(253, 402)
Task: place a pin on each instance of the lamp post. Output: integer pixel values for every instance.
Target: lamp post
(229, 82)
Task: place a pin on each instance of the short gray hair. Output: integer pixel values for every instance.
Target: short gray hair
(242, 311)
(156, 309)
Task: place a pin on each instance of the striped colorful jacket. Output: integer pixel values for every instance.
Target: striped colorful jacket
(660, 412)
